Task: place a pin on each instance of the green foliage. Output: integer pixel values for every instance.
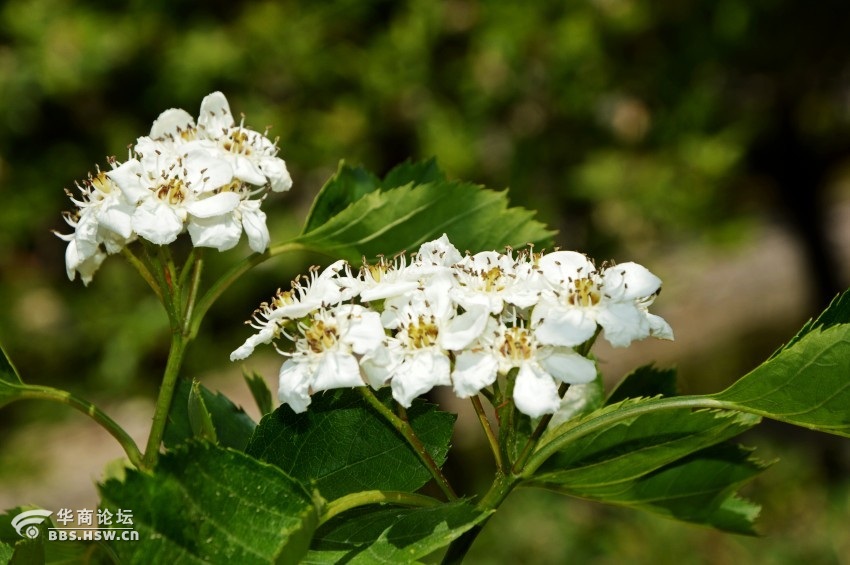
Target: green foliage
(259, 390)
(205, 503)
(391, 535)
(356, 216)
(644, 381)
(661, 461)
(198, 412)
(10, 381)
(342, 445)
(806, 384)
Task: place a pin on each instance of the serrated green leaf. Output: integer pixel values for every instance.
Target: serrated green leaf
(260, 391)
(391, 535)
(420, 172)
(628, 449)
(348, 185)
(806, 384)
(698, 488)
(232, 426)
(645, 381)
(838, 312)
(200, 419)
(208, 504)
(579, 400)
(399, 219)
(343, 445)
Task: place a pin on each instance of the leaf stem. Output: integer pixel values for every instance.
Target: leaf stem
(488, 431)
(38, 392)
(143, 270)
(367, 497)
(195, 283)
(529, 446)
(407, 432)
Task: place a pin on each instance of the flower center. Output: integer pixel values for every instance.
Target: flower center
(422, 333)
(237, 142)
(101, 182)
(493, 279)
(320, 336)
(517, 345)
(585, 292)
(173, 191)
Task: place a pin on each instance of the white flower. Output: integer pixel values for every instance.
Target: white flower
(252, 155)
(102, 225)
(428, 328)
(326, 353)
(495, 279)
(503, 348)
(317, 291)
(583, 297)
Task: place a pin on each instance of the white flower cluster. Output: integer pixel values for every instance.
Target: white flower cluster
(208, 177)
(445, 319)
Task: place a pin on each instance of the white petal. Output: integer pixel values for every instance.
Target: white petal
(559, 266)
(418, 374)
(635, 280)
(157, 222)
(562, 326)
(247, 170)
(207, 171)
(380, 364)
(117, 217)
(566, 365)
(336, 369)
(623, 323)
(220, 232)
(215, 114)
(128, 177)
(439, 252)
(170, 123)
(294, 386)
(658, 327)
(462, 330)
(365, 332)
(535, 393)
(265, 335)
(275, 170)
(473, 371)
(215, 205)
(254, 223)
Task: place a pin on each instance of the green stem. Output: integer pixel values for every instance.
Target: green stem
(222, 284)
(193, 295)
(529, 446)
(407, 432)
(163, 401)
(488, 431)
(143, 271)
(365, 498)
(37, 392)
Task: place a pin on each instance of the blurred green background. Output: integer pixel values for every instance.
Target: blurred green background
(708, 139)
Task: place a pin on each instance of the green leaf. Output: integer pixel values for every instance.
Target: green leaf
(6, 552)
(207, 504)
(838, 312)
(421, 172)
(343, 445)
(200, 419)
(630, 448)
(391, 535)
(385, 221)
(699, 488)
(231, 425)
(260, 391)
(806, 384)
(348, 185)
(645, 381)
